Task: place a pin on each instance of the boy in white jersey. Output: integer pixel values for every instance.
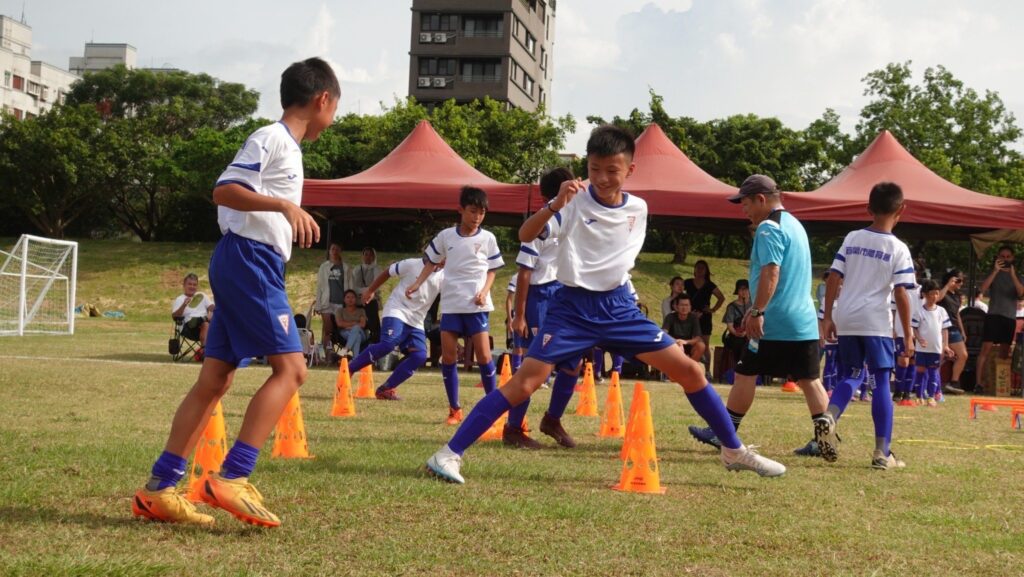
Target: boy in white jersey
(402, 325)
(472, 258)
(603, 230)
(931, 331)
(904, 372)
(871, 265)
(258, 198)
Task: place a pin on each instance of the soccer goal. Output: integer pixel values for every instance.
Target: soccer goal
(37, 286)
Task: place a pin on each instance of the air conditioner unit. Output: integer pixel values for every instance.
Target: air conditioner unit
(426, 37)
(440, 82)
(440, 37)
(423, 82)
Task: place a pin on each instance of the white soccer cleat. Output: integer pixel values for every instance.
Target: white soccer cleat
(886, 462)
(747, 459)
(445, 463)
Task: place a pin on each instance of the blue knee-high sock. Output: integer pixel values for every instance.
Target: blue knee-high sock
(617, 361)
(450, 376)
(561, 393)
(369, 355)
(899, 372)
(853, 377)
(483, 415)
(710, 407)
(405, 369)
(908, 379)
(517, 361)
(517, 414)
(598, 362)
(919, 382)
(881, 411)
(167, 471)
(489, 376)
(933, 381)
(829, 379)
(240, 461)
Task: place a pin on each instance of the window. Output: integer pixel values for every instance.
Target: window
(19, 82)
(543, 96)
(531, 43)
(437, 66)
(18, 113)
(439, 22)
(515, 26)
(543, 59)
(528, 84)
(481, 70)
(7, 79)
(513, 74)
(483, 26)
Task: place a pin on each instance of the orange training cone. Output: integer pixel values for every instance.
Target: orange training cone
(209, 454)
(290, 433)
(495, 432)
(365, 390)
(634, 406)
(790, 387)
(587, 406)
(344, 405)
(506, 372)
(640, 469)
(611, 422)
(588, 372)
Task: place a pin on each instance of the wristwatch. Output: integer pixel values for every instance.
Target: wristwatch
(754, 313)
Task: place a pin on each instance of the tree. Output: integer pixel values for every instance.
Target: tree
(152, 121)
(52, 167)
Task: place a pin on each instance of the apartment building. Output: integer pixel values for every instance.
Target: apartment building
(28, 87)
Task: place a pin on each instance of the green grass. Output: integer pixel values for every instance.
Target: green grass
(84, 417)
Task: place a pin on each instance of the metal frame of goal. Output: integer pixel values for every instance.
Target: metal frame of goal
(37, 286)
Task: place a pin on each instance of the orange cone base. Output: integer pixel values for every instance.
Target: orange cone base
(634, 489)
(790, 387)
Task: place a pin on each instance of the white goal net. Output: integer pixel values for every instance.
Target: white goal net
(37, 286)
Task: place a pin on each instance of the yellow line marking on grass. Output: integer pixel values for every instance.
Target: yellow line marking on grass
(108, 361)
(956, 446)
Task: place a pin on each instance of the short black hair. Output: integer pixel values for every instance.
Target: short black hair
(928, 285)
(680, 297)
(953, 272)
(609, 140)
(302, 81)
(473, 196)
(885, 198)
(1006, 247)
(552, 180)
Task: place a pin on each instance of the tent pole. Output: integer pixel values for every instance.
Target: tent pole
(330, 234)
(972, 279)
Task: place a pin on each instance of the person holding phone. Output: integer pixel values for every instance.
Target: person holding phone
(1003, 287)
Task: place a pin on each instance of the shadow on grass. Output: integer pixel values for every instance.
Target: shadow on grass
(17, 515)
(156, 358)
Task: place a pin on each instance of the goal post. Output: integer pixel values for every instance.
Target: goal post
(37, 286)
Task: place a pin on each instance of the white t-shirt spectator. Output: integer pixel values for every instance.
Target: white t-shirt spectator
(198, 305)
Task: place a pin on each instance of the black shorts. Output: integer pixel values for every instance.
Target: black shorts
(190, 329)
(795, 360)
(998, 330)
(705, 324)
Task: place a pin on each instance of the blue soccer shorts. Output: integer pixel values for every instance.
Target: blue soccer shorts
(877, 352)
(407, 338)
(538, 299)
(579, 320)
(465, 324)
(253, 317)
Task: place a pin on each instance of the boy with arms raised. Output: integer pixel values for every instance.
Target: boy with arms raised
(603, 230)
(472, 257)
(258, 198)
(871, 265)
(402, 325)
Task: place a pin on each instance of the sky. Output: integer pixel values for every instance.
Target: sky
(789, 59)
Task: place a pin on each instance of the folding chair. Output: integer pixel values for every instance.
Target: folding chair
(314, 354)
(180, 346)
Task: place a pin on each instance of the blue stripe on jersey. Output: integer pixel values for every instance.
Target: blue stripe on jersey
(840, 257)
(523, 266)
(494, 257)
(433, 248)
(545, 232)
(253, 166)
(558, 217)
(905, 271)
(396, 267)
(838, 272)
(238, 182)
(907, 286)
(527, 250)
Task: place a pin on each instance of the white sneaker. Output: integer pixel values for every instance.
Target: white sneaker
(880, 461)
(747, 459)
(827, 438)
(445, 463)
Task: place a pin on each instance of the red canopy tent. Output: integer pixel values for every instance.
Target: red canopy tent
(421, 174)
(936, 208)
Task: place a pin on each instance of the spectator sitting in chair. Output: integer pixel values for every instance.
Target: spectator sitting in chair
(351, 322)
(195, 308)
(735, 338)
(684, 327)
(332, 280)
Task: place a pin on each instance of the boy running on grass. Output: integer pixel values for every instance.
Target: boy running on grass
(402, 325)
(258, 198)
(472, 257)
(871, 265)
(603, 230)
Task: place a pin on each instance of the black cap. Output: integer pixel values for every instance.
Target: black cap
(755, 184)
(741, 283)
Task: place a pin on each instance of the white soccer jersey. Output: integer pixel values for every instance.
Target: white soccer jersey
(914, 294)
(929, 325)
(541, 254)
(269, 163)
(467, 260)
(598, 244)
(512, 282)
(871, 264)
(412, 311)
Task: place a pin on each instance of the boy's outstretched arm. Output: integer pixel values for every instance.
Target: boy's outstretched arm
(534, 225)
(428, 269)
(376, 284)
(305, 230)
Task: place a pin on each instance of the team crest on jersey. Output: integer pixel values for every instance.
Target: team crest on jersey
(545, 340)
(534, 331)
(476, 247)
(283, 319)
(391, 332)
(632, 222)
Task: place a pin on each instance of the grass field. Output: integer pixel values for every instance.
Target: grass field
(85, 416)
